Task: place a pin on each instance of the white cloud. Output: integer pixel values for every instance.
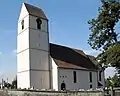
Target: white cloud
(110, 71)
(10, 76)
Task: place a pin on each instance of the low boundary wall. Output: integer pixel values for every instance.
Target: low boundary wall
(49, 93)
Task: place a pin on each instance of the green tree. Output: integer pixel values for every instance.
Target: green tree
(113, 81)
(103, 35)
(14, 83)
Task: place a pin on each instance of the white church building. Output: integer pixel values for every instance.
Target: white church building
(45, 65)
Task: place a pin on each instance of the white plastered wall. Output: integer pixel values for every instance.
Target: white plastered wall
(66, 76)
(54, 75)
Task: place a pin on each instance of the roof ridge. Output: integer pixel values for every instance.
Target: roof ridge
(32, 5)
(67, 47)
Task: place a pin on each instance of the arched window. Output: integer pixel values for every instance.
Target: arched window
(74, 76)
(22, 23)
(100, 76)
(63, 86)
(90, 76)
(39, 22)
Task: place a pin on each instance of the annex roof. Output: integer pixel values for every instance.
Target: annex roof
(66, 57)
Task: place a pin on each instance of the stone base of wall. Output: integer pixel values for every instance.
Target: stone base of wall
(49, 93)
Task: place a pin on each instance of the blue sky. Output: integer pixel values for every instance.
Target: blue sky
(67, 26)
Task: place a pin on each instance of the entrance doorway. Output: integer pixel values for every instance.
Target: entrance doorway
(63, 86)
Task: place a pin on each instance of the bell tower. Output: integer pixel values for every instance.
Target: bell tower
(33, 49)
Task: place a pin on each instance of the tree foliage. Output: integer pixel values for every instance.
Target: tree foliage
(113, 81)
(14, 83)
(111, 56)
(103, 34)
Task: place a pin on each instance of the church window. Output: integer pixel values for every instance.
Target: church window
(39, 22)
(90, 76)
(74, 77)
(100, 76)
(22, 23)
(90, 85)
(63, 86)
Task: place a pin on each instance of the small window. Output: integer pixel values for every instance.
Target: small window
(39, 22)
(74, 76)
(100, 76)
(22, 23)
(90, 76)
(90, 85)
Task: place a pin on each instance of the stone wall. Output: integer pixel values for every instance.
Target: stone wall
(49, 93)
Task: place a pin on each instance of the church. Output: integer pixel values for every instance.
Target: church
(44, 65)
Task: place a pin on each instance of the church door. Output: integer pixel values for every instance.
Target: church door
(63, 86)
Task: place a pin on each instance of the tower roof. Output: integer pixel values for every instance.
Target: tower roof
(35, 11)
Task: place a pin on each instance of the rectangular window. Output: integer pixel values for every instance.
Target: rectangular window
(74, 76)
(90, 85)
(22, 23)
(90, 76)
(39, 22)
(99, 76)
